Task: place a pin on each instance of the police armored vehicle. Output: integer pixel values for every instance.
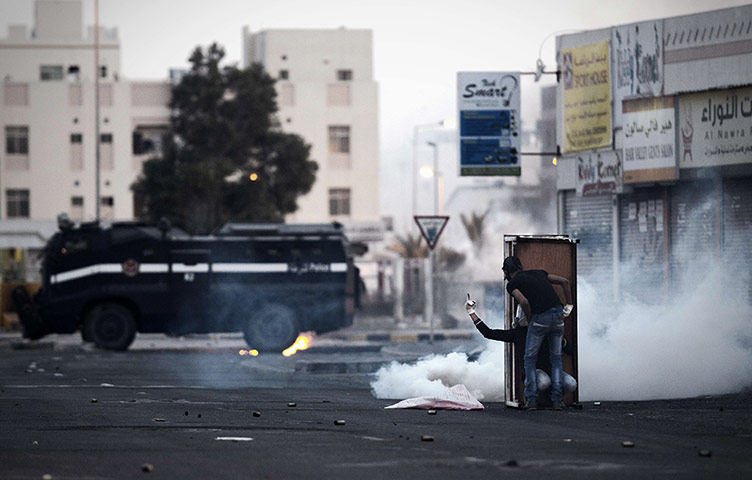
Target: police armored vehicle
(269, 281)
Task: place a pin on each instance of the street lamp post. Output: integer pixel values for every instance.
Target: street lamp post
(446, 123)
(430, 261)
(430, 294)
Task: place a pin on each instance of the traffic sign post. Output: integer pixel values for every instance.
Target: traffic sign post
(431, 227)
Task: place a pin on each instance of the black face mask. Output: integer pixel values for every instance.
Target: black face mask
(506, 277)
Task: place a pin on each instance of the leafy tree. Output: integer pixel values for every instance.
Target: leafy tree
(224, 130)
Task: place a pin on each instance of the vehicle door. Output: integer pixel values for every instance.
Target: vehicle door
(189, 290)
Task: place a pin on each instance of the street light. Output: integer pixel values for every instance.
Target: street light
(435, 177)
(446, 123)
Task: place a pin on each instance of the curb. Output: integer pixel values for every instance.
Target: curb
(401, 337)
(368, 341)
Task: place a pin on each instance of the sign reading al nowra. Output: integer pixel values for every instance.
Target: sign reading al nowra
(489, 123)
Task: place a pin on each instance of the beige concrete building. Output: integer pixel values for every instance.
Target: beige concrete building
(48, 112)
(327, 94)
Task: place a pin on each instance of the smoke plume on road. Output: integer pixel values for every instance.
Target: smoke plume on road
(695, 342)
(432, 375)
(698, 342)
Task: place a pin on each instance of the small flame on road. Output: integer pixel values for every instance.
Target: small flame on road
(303, 342)
(252, 353)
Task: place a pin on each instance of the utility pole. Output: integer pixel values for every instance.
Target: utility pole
(98, 199)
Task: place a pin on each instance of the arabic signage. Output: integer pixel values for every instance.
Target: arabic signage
(587, 97)
(598, 173)
(489, 121)
(716, 128)
(649, 140)
(638, 66)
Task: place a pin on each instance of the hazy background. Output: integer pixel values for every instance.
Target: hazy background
(419, 46)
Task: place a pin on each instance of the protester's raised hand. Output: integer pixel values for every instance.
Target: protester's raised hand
(470, 305)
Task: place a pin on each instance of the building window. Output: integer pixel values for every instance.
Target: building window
(75, 95)
(287, 94)
(77, 209)
(344, 75)
(338, 94)
(16, 94)
(106, 96)
(108, 208)
(147, 139)
(284, 74)
(339, 201)
(17, 203)
(106, 152)
(103, 71)
(17, 140)
(77, 151)
(74, 73)
(50, 72)
(339, 139)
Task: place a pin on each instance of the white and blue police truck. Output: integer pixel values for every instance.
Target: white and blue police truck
(269, 281)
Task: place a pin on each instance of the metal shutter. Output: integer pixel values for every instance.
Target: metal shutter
(590, 220)
(695, 225)
(643, 248)
(737, 225)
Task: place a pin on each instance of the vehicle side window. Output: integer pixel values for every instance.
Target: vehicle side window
(74, 245)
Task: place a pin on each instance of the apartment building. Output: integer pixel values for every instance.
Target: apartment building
(48, 119)
(327, 94)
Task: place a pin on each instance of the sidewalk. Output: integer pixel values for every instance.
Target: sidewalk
(371, 331)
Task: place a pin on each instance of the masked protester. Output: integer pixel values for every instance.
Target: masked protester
(533, 290)
(517, 335)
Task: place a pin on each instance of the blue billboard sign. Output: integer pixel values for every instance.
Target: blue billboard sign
(489, 123)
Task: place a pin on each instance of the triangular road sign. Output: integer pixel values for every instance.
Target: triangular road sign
(431, 227)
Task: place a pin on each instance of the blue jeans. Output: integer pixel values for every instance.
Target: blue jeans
(547, 324)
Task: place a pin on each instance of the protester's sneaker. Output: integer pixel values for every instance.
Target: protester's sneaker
(531, 404)
(560, 405)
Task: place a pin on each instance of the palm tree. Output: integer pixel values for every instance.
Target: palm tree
(474, 226)
(410, 246)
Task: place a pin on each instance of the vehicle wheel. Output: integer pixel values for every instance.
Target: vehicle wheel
(272, 328)
(86, 334)
(111, 326)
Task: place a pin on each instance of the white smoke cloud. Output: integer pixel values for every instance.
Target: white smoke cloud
(435, 374)
(698, 342)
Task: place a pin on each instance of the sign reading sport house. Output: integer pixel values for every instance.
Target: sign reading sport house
(587, 97)
(489, 123)
(716, 128)
(649, 140)
(598, 173)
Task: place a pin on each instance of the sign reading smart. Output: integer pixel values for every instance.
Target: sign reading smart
(489, 121)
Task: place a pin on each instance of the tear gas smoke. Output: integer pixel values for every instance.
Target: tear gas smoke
(696, 343)
(435, 374)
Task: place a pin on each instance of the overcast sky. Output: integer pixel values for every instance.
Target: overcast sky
(419, 45)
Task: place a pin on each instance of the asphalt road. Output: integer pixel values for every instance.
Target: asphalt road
(159, 414)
